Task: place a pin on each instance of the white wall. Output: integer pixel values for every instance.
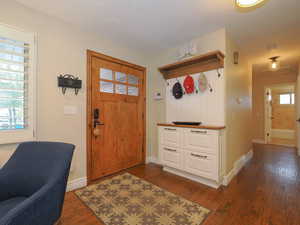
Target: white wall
(202, 107)
(283, 133)
(61, 49)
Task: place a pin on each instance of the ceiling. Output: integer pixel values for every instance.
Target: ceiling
(154, 25)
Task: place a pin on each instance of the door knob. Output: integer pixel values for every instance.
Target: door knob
(96, 118)
(298, 120)
(96, 132)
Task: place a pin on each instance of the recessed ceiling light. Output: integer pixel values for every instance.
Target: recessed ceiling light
(248, 3)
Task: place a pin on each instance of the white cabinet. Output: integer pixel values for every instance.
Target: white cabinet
(170, 136)
(200, 140)
(195, 153)
(204, 165)
(171, 157)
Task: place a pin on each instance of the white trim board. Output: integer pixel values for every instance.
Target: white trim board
(192, 177)
(258, 141)
(151, 159)
(76, 184)
(238, 165)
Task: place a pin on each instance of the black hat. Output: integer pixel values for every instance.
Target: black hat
(177, 90)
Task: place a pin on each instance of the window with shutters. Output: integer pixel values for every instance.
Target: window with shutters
(17, 85)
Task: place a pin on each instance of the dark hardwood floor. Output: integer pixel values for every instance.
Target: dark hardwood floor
(265, 192)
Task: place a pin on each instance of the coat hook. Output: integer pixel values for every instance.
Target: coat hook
(218, 71)
(210, 88)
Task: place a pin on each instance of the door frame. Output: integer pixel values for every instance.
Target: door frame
(266, 123)
(268, 111)
(297, 104)
(89, 110)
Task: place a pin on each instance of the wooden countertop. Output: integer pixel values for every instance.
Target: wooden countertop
(192, 126)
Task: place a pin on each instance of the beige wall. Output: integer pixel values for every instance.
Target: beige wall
(61, 49)
(157, 109)
(261, 80)
(238, 105)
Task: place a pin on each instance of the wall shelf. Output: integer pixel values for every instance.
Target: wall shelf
(201, 63)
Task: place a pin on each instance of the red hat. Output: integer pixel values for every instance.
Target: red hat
(188, 84)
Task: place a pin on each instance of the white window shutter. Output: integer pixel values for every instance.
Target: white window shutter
(17, 85)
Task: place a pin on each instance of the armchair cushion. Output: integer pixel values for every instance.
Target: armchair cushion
(9, 204)
(33, 183)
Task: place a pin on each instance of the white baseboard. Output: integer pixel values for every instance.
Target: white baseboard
(76, 184)
(192, 177)
(151, 159)
(258, 141)
(238, 165)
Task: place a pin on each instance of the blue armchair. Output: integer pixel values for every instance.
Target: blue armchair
(33, 183)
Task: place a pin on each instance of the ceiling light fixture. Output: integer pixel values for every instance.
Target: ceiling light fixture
(248, 3)
(274, 64)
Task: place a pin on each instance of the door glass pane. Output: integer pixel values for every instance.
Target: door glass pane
(285, 99)
(106, 87)
(121, 77)
(106, 74)
(133, 91)
(121, 89)
(133, 79)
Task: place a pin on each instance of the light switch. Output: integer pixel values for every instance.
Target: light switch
(158, 96)
(70, 110)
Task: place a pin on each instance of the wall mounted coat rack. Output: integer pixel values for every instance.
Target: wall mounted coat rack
(69, 81)
(201, 63)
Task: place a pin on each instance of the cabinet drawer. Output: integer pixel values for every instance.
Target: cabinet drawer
(170, 157)
(201, 164)
(200, 140)
(170, 136)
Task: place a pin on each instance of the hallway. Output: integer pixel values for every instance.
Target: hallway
(265, 192)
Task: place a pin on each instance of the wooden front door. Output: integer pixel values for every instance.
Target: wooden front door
(116, 115)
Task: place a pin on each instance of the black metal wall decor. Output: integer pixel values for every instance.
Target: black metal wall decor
(69, 81)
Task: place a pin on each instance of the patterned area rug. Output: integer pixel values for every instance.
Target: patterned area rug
(129, 200)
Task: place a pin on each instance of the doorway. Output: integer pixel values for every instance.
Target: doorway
(280, 115)
(115, 115)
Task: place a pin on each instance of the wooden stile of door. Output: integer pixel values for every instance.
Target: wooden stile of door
(115, 115)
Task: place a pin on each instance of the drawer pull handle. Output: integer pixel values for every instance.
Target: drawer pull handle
(170, 129)
(199, 156)
(199, 131)
(170, 150)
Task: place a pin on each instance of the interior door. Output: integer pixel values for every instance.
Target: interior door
(297, 102)
(268, 115)
(117, 104)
